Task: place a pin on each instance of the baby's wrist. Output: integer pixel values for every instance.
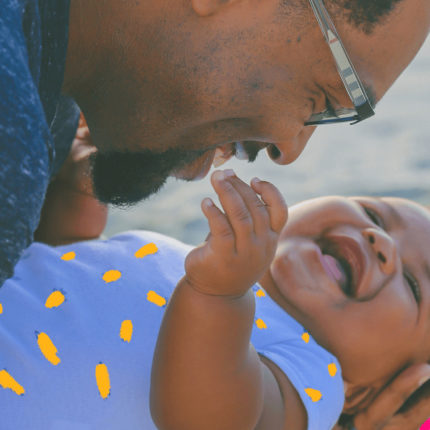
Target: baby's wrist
(214, 290)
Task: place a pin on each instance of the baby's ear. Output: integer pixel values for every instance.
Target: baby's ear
(357, 397)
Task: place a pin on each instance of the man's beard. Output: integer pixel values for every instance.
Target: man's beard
(123, 179)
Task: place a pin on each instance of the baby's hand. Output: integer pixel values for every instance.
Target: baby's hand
(242, 241)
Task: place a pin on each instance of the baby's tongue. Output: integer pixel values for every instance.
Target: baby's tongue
(334, 269)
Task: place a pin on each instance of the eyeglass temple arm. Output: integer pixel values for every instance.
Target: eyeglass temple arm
(343, 63)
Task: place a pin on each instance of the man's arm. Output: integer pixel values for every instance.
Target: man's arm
(206, 374)
(25, 145)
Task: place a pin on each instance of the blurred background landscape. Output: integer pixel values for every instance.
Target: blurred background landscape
(387, 155)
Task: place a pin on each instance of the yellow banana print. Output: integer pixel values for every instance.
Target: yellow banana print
(126, 330)
(111, 276)
(315, 395)
(7, 381)
(68, 256)
(48, 348)
(55, 299)
(150, 248)
(332, 369)
(103, 380)
(155, 298)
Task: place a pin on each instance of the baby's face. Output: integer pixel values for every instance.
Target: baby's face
(355, 272)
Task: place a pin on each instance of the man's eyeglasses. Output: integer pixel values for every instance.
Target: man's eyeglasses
(354, 87)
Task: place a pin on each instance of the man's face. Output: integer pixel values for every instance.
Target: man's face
(356, 273)
(246, 73)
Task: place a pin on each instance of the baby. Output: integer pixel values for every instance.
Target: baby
(341, 302)
(353, 272)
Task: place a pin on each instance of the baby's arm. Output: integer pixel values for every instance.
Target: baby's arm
(206, 374)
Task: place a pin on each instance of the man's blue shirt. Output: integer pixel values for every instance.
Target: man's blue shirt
(37, 124)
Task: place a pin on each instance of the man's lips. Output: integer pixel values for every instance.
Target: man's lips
(197, 169)
(345, 255)
(200, 167)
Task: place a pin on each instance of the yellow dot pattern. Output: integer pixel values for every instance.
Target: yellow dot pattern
(111, 276)
(47, 348)
(150, 248)
(315, 395)
(55, 299)
(103, 380)
(332, 369)
(8, 382)
(68, 256)
(260, 324)
(260, 293)
(126, 330)
(155, 298)
(102, 377)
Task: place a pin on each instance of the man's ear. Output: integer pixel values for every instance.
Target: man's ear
(357, 397)
(209, 7)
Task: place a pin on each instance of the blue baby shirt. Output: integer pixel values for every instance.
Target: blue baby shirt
(314, 372)
(78, 328)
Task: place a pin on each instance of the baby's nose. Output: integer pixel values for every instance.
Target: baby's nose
(384, 248)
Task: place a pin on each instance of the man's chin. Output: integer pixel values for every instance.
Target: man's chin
(123, 179)
(126, 197)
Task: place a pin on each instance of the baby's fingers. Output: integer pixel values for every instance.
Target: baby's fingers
(218, 223)
(274, 201)
(234, 207)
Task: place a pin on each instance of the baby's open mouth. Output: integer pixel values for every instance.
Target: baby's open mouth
(344, 261)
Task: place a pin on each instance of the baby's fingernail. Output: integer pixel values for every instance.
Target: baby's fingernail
(207, 203)
(256, 180)
(218, 175)
(229, 173)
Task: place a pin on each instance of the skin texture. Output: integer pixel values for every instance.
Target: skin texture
(383, 412)
(70, 211)
(380, 334)
(379, 331)
(203, 362)
(194, 75)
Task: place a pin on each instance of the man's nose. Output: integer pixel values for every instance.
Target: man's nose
(287, 151)
(383, 247)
